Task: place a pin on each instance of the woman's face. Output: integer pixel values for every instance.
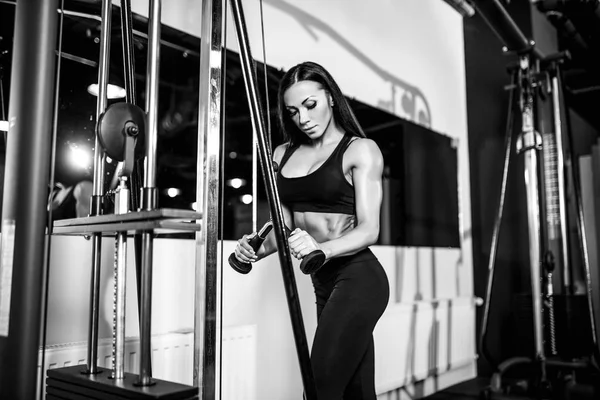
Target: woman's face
(309, 106)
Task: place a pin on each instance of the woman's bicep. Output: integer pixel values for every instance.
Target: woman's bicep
(367, 180)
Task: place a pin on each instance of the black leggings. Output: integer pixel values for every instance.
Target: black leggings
(352, 292)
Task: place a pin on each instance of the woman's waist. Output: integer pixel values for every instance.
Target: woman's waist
(324, 227)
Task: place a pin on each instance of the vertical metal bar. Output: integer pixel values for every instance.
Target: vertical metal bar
(254, 182)
(130, 90)
(562, 195)
(120, 277)
(249, 72)
(25, 196)
(149, 192)
(97, 188)
(128, 59)
(529, 143)
(207, 317)
(531, 180)
(152, 81)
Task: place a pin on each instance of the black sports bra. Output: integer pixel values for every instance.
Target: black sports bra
(324, 190)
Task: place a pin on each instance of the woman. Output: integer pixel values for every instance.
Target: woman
(329, 182)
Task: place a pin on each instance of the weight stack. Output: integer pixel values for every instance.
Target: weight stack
(72, 383)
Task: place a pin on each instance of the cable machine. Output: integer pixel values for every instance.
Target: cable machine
(547, 169)
(128, 134)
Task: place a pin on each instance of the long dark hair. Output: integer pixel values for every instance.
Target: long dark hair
(343, 114)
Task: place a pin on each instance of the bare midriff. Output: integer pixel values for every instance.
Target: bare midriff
(324, 226)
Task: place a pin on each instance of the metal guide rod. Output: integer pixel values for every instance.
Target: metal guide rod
(207, 315)
(98, 184)
(130, 97)
(249, 73)
(120, 280)
(529, 145)
(128, 56)
(25, 196)
(498, 222)
(562, 195)
(149, 192)
(254, 182)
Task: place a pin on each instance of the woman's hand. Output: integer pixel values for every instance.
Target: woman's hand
(243, 251)
(302, 244)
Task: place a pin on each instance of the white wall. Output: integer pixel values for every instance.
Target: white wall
(406, 57)
(416, 338)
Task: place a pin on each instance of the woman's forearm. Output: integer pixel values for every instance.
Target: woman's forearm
(359, 238)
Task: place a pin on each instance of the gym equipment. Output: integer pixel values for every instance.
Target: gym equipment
(255, 242)
(24, 213)
(309, 264)
(547, 240)
(249, 73)
(121, 129)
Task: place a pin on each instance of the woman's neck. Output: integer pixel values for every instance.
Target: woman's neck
(333, 134)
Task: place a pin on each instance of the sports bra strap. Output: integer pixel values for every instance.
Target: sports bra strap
(288, 153)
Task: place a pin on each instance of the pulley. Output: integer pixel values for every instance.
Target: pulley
(121, 132)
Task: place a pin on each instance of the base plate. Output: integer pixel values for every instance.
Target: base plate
(72, 384)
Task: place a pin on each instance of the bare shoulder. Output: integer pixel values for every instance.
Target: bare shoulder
(279, 152)
(364, 151)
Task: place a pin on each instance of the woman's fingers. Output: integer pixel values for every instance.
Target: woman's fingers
(301, 243)
(243, 251)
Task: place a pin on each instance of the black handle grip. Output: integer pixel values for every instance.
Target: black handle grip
(312, 262)
(309, 264)
(238, 266)
(255, 242)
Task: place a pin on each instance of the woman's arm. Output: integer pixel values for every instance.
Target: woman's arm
(269, 246)
(243, 251)
(366, 163)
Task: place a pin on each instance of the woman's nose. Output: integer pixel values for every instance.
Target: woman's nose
(303, 117)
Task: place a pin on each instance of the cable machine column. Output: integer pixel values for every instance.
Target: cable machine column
(529, 143)
(25, 196)
(258, 122)
(207, 315)
(149, 196)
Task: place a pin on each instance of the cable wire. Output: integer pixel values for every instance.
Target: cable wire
(496, 233)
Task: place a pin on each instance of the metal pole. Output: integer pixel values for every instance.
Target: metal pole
(562, 195)
(149, 192)
(25, 196)
(254, 182)
(529, 144)
(502, 24)
(97, 190)
(120, 278)
(249, 71)
(135, 181)
(128, 56)
(207, 317)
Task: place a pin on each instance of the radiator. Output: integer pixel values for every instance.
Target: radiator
(172, 359)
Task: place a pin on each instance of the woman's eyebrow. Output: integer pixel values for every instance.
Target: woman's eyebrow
(304, 101)
(307, 99)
